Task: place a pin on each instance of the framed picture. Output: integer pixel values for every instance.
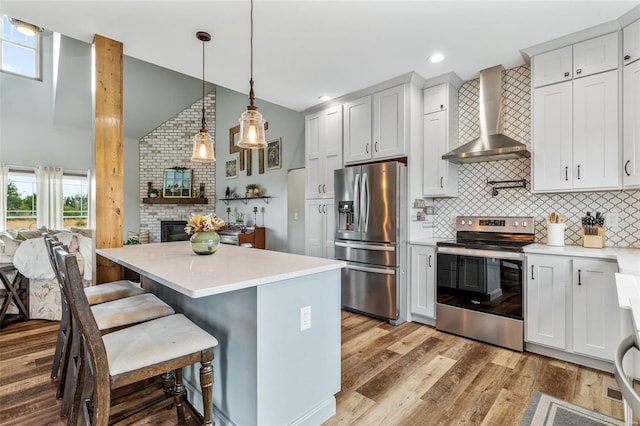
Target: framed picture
(177, 183)
(274, 154)
(231, 169)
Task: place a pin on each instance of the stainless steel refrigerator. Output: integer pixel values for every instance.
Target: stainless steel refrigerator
(370, 236)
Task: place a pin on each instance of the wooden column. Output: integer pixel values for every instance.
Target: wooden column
(107, 78)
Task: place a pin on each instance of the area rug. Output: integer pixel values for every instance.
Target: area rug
(545, 410)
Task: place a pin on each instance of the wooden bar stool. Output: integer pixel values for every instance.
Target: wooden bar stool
(132, 354)
(109, 316)
(14, 289)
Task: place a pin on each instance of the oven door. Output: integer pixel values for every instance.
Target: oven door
(481, 280)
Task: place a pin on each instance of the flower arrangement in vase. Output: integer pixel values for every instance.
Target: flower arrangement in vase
(202, 228)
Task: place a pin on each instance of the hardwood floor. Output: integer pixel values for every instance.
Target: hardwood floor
(411, 374)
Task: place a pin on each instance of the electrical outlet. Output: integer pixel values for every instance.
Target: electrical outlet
(612, 220)
(305, 318)
(295, 216)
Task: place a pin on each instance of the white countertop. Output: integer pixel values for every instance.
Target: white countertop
(628, 258)
(230, 268)
(628, 287)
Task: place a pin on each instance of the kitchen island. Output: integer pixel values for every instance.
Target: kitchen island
(276, 317)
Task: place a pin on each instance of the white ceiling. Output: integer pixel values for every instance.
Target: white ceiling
(307, 48)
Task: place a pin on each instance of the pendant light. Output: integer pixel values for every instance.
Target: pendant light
(251, 122)
(203, 144)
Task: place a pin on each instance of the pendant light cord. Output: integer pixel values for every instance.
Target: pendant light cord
(204, 122)
(251, 95)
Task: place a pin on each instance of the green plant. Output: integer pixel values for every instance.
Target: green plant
(154, 191)
(252, 186)
(132, 241)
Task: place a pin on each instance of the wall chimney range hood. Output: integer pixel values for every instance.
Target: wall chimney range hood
(492, 144)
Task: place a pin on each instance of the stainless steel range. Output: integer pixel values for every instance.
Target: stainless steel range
(480, 279)
(229, 234)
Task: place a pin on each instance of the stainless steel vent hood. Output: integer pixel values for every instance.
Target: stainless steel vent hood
(492, 144)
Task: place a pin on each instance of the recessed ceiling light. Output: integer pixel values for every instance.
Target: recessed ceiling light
(436, 57)
(325, 98)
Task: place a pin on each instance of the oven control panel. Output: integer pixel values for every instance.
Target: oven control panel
(504, 224)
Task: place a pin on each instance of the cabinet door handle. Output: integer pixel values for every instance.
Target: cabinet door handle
(319, 209)
(566, 74)
(441, 179)
(579, 71)
(627, 57)
(324, 188)
(319, 186)
(579, 276)
(429, 261)
(532, 272)
(566, 173)
(324, 208)
(625, 168)
(376, 146)
(578, 171)
(366, 147)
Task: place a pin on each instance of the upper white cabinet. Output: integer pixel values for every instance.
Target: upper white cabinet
(580, 60)
(374, 126)
(596, 323)
(631, 42)
(576, 138)
(631, 125)
(553, 67)
(440, 177)
(423, 282)
(596, 55)
(323, 141)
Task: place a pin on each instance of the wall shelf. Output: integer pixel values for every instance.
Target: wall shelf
(245, 200)
(175, 200)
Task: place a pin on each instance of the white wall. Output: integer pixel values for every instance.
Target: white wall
(295, 210)
(283, 123)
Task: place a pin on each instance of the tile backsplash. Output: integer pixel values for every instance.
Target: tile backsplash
(475, 196)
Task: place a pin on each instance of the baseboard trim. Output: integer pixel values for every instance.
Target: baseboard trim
(570, 357)
(219, 417)
(318, 414)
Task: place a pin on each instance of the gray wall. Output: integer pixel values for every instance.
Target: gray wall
(283, 123)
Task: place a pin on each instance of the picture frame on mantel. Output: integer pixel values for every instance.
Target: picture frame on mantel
(231, 169)
(177, 183)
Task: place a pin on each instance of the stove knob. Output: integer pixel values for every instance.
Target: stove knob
(470, 223)
(525, 224)
(515, 223)
(462, 222)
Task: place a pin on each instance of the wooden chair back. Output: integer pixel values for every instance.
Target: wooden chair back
(94, 366)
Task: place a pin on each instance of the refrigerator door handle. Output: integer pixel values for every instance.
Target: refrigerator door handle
(365, 203)
(365, 246)
(356, 202)
(372, 270)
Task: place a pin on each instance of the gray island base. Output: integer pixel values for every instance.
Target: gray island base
(267, 369)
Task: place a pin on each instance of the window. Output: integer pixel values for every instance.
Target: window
(20, 52)
(75, 189)
(21, 200)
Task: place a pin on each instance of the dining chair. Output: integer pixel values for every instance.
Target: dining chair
(111, 361)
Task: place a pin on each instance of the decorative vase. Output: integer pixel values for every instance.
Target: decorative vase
(205, 242)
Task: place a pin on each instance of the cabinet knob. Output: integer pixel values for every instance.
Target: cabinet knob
(566, 74)
(627, 57)
(579, 71)
(441, 106)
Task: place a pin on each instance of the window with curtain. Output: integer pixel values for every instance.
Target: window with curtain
(21, 210)
(75, 189)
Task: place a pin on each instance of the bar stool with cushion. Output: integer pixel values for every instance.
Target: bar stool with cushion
(109, 316)
(96, 294)
(131, 354)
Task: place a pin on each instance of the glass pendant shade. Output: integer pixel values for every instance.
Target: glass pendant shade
(252, 134)
(203, 148)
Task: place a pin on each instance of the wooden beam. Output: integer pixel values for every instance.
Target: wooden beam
(107, 68)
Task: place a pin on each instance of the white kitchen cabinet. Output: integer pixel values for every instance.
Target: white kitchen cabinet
(553, 67)
(320, 228)
(596, 325)
(631, 125)
(435, 98)
(423, 282)
(547, 281)
(357, 130)
(576, 144)
(374, 126)
(595, 55)
(440, 177)
(323, 141)
(631, 42)
(596, 152)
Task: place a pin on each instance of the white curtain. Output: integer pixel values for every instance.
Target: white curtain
(49, 196)
(4, 181)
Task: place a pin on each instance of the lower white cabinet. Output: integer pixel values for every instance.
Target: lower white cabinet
(423, 281)
(319, 228)
(596, 322)
(547, 281)
(572, 305)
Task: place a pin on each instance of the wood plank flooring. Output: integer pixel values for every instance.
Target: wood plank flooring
(411, 374)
